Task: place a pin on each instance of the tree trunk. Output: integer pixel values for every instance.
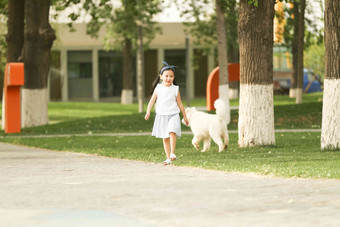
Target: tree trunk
(140, 68)
(330, 132)
(256, 110)
(2, 74)
(127, 92)
(14, 37)
(292, 90)
(39, 37)
(15, 34)
(223, 89)
(232, 46)
(300, 44)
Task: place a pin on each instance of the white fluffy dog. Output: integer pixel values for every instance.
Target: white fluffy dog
(209, 126)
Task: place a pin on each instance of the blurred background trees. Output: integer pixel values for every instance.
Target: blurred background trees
(301, 32)
(29, 39)
(121, 20)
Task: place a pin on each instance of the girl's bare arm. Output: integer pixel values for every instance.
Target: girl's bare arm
(151, 102)
(181, 107)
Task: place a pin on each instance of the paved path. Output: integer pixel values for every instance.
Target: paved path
(45, 188)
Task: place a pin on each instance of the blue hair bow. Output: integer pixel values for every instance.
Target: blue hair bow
(167, 67)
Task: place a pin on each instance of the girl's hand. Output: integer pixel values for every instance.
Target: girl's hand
(186, 120)
(147, 115)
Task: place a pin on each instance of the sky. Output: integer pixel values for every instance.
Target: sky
(170, 14)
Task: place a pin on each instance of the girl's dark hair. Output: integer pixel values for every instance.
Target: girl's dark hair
(158, 78)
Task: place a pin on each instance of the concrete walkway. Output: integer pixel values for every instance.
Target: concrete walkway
(45, 188)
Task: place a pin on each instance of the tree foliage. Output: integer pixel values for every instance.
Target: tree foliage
(314, 59)
(3, 8)
(3, 21)
(313, 32)
(254, 2)
(120, 18)
(201, 24)
(3, 44)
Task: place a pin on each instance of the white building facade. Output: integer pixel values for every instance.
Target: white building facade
(81, 70)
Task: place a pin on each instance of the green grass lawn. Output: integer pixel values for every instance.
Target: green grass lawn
(64, 111)
(294, 155)
(307, 115)
(75, 118)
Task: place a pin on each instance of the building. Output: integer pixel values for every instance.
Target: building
(81, 70)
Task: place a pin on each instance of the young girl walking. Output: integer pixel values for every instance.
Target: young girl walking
(167, 123)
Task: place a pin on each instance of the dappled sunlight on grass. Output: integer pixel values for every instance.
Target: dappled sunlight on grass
(89, 118)
(306, 98)
(294, 155)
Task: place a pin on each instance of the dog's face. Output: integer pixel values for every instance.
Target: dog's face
(189, 111)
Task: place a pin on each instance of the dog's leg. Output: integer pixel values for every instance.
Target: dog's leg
(206, 146)
(196, 142)
(220, 144)
(226, 140)
(217, 139)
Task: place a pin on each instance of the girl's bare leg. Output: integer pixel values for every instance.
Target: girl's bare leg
(173, 142)
(166, 144)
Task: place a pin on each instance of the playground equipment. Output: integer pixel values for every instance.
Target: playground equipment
(11, 113)
(213, 83)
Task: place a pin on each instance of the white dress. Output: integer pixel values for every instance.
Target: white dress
(167, 112)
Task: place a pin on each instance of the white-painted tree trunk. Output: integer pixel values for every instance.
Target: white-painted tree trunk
(292, 93)
(298, 95)
(223, 93)
(256, 115)
(34, 109)
(233, 93)
(127, 96)
(330, 132)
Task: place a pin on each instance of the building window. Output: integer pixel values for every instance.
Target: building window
(79, 72)
(110, 73)
(55, 77)
(79, 64)
(177, 57)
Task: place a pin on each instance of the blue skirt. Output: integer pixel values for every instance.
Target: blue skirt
(164, 124)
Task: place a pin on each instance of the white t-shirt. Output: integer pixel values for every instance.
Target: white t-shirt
(166, 103)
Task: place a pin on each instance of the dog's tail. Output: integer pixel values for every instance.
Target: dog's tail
(222, 110)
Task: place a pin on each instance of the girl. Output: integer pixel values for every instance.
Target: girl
(167, 123)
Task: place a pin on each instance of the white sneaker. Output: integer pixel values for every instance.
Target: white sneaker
(167, 162)
(173, 157)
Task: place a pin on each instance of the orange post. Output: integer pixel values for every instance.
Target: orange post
(213, 83)
(212, 88)
(14, 78)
